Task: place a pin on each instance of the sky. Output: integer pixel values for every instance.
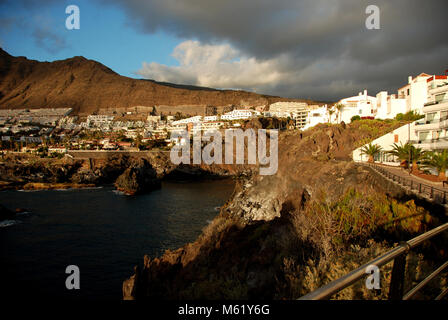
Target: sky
(317, 49)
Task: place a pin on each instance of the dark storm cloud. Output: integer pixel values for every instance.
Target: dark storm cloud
(298, 48)
(330, 50)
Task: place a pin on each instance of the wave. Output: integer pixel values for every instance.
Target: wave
(8, 223)
(82, 188)
(118, 192)
(24, 213)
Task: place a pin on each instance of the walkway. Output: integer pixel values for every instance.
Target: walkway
(430, 190)
(405, 174)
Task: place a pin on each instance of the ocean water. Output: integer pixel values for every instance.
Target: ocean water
(103, 232)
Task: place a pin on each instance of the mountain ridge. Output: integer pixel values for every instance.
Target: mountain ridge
(87, 86)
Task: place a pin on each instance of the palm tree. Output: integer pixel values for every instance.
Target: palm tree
(402, 152)
(417, 154)
(408, 153)
(371, 150)
(330, 113)
(438, 161)
(339, 107)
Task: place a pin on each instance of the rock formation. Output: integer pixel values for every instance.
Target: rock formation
(138, 178)
(280, 236)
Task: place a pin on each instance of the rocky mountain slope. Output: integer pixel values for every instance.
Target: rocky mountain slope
(281, 236)
(86, 86)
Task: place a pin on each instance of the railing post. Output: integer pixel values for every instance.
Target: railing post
(432, 192)
(412, 184)
(396, 288)
(419, 188)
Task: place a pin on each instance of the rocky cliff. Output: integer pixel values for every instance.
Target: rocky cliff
(281, 236)
(139, 177)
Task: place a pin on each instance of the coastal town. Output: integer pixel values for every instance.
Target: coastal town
(199, 156)
(55, 131)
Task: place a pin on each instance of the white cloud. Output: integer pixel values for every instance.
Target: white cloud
(218, 66)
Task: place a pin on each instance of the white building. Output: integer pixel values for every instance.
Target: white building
(415, 93)
(195, 119)
(240, 114)
(361, 105)
(316, 116)
(277, 114)
(210, 118)
(432, 131)
(97, 120)
(294, 110)
(289, 107)
(401, 135)
(209, 126)
(151, 118)
(388, 106)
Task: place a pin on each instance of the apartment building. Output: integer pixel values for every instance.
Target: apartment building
(240, 114)
(400, 136)
(432, 131)
(361, 105)
(389, 106)
(98, 120)
(288, 107)
(194, 119)
(415, 93)
(316, 116)
(298, 111)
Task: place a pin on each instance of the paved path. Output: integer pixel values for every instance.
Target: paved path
(433, 191)
(405, 174)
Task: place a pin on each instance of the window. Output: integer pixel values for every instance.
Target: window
(360, 111)
(430, 117)
(440, 97)
(409, 90)
(444, 115)
(396, 138)
(424, 135)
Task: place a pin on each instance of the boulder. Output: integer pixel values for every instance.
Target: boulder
(140, 177)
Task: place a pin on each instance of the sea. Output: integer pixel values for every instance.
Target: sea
(102, 232)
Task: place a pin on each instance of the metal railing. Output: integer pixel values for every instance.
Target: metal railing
(434, 193)
(396, 287)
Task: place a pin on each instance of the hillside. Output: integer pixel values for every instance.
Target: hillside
(281, 236)
(87, 85)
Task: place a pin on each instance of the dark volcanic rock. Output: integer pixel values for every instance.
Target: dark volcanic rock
(241, 254)
(106, 173)
(138, 178)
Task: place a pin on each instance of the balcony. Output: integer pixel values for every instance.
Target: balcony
(431, 125)
(435, 102)
(431, 144)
